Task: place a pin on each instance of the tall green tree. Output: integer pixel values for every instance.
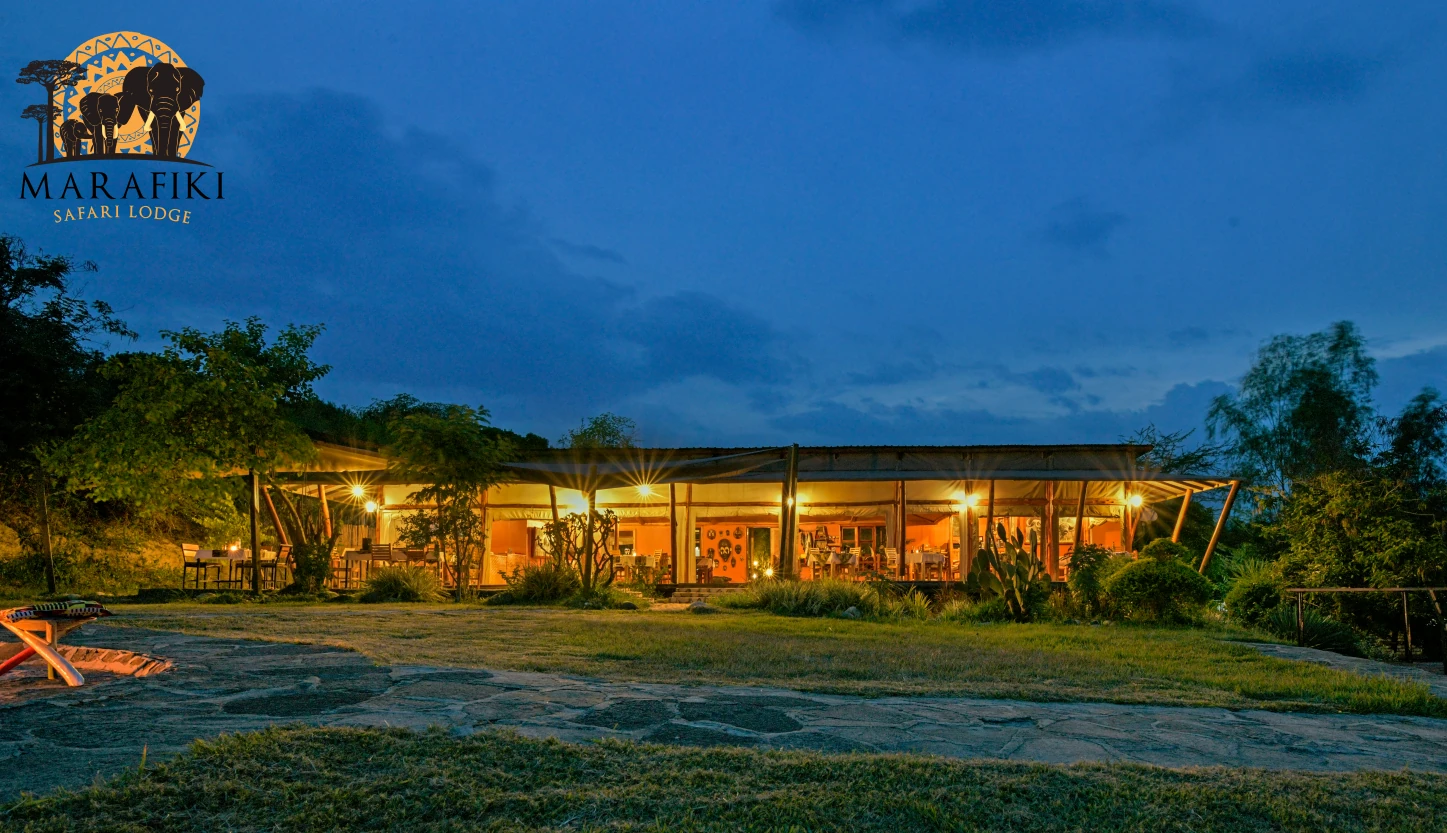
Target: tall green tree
(456, 455)
(50, 382)
(606, 430)
(51, 75)
(1304, 408)
(207, 408)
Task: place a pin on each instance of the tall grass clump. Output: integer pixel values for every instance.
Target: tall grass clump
(1317, 631)
(826, 597)
(545, 583)
(402, 584)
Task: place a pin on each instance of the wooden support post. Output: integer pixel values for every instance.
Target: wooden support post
(553, 499)
(1407, 627)
(1220, 526)
(902, 523)
(486, 539)
(275, 518)
(968, 547)
(255, 518)
(673, 531)
(1300, 618)
(1050, 533)
(326, 511)
(1181, 517)
(690, 566)
(1080, 518)
(990, 517)
(789, 516)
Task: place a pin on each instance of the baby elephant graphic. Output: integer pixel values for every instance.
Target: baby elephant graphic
(101, 112)
(162, 93)
(72, 137)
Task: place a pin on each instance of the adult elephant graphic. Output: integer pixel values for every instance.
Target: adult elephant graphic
(162, 93)
(102, 113)
(72, 137)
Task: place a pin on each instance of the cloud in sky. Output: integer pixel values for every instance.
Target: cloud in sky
(1079, 227)
(1258, 83)
(994, 27)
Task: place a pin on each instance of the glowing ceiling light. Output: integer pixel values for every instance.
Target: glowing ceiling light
(789, 501)
(1135, 501)
(371, 506)
(645, 490)
(358, 491)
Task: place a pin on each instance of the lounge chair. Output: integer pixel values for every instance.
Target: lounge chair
(39, 628)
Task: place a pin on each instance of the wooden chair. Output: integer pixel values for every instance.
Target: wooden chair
(891, 559)
(270, 567)
(380, 553)
(192, 559)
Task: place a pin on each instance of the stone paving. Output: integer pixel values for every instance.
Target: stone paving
(52, 736)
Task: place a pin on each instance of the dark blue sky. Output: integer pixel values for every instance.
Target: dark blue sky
(811, 220)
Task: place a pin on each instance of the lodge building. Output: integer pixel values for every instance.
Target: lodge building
(732, 515)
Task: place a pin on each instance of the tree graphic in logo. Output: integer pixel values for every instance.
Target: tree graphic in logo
(123, 95)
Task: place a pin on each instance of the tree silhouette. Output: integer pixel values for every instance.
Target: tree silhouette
(42, 114)
(52, 75)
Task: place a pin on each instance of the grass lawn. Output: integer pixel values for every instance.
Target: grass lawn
(348, 779)
(1121, 664)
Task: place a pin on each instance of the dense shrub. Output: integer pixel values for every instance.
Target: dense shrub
(599, 598)
(402, 584)
(1157, 590)
(1317, 630)
(1255, 592)
(543, 584)
(1164, 549)
(312, 566)
(908, 605)
(1086, 576)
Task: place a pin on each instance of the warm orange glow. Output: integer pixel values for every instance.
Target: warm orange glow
(644, 490)
(572, 502)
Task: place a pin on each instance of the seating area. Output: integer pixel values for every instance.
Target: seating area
(230, 568)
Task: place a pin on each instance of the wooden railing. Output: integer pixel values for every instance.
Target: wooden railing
(1302, 592)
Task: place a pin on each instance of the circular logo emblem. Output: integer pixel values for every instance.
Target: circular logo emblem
(137, 97)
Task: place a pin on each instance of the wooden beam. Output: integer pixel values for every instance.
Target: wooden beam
(903, 524)
(789, 515)
(990, 517)
(1051, 532)
(1220, 525)
(1181, 517)
(553, 499)
(673, 531)
(254, 516)
(1080, 518)
(275, 518)
(326, 511)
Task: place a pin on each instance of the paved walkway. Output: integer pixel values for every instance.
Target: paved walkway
(51, 736)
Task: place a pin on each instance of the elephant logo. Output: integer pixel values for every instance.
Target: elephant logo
(73, 135)
(128, 95)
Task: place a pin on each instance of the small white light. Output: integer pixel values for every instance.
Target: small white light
(358, 491)
(1135, 501)
(645, 490)
(371, 506)
(769, 572)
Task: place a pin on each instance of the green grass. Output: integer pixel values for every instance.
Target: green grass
(355, 779)
(1121, 664)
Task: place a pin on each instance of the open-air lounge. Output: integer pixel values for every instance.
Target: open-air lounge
(718, 516)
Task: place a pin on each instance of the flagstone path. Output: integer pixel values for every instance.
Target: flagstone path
(52, 736)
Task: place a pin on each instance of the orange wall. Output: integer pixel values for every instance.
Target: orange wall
(509, 534)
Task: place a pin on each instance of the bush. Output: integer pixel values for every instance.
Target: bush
(313, 566)
(1086, 567)
(1317, 631)
(826, 597)
(969, 613)
(402, 584)
(600, 598)
(1164, 549)
(1254, 594)
(546, 583)
(1158, 590)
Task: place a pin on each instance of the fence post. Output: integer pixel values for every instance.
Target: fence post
(1407, 627)
(1442, 637)
(1300, 620)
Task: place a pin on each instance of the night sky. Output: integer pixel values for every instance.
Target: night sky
(814, 221)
